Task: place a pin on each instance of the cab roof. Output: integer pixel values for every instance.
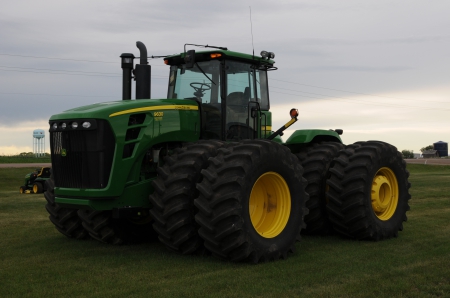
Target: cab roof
(220, 55)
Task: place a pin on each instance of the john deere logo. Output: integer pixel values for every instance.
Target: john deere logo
(63, 152)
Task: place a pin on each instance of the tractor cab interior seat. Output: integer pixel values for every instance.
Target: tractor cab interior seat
(236, 107)
(237, 116)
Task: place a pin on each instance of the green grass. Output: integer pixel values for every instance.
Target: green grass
(24, 159)
(37, 261)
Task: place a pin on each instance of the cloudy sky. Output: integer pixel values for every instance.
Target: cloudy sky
(379, 70)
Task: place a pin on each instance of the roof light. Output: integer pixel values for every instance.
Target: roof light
(216, 55)
(166, 62)
(267, 55)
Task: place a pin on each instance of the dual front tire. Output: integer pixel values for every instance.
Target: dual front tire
(65, 220)
(252, 202)
(240, 201)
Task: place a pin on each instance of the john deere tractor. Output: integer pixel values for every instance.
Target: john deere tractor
(204, 171)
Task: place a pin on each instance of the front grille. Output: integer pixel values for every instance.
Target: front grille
(81, 158)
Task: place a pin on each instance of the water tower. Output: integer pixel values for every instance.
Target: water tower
(39, 142)
(441, 147)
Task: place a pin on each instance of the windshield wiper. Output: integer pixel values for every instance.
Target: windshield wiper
(204, 73)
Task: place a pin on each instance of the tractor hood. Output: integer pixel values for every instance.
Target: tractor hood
(112, 109)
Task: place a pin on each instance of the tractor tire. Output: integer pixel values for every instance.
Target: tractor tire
(252, 202)
(66, 220)
(316, 160)
(368, 191)
(38, 187)
(104, 228)
(22, 189)
(172, 201)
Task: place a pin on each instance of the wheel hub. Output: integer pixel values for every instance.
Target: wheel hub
(384, 194)
(270, 204)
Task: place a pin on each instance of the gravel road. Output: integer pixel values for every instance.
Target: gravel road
(429, 161)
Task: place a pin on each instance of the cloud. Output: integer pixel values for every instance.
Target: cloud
(386, 69)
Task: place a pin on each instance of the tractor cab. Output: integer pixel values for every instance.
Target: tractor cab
(231, 90)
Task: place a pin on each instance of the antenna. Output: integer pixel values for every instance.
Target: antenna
(251, 30)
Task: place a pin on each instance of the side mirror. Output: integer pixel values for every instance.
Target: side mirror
(254, 111)
(189, 59)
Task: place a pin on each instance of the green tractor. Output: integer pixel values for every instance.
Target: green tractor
(204, 172)
(35, 181)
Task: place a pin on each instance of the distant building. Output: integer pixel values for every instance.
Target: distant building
(441, 147)
(430, 154)
(417, 155)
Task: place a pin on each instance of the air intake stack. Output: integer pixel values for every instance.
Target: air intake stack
(127, 67)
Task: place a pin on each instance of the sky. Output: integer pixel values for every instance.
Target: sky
(379, 70)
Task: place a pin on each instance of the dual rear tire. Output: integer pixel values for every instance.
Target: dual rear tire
(368, 191)
(360, 190)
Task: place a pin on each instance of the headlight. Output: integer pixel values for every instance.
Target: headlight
(86, 124)
(74, 125)
(63, 126)
(55, 125)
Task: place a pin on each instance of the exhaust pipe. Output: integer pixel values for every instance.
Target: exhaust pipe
(127, 67)
(142, 74)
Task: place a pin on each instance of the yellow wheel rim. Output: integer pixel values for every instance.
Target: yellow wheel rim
(270, 204)
(35, 188)
(384, 193)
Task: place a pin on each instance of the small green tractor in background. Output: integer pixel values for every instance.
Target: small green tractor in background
(203, 170)
(35, 181)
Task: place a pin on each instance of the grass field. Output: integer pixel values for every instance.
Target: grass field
(24, 159)
(37, 261)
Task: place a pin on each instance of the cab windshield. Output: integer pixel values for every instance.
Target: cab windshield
(201, 83)
(225, 100)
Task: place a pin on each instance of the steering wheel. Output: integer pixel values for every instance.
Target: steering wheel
(199, 88)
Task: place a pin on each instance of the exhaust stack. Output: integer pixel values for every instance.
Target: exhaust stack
(142, 73)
